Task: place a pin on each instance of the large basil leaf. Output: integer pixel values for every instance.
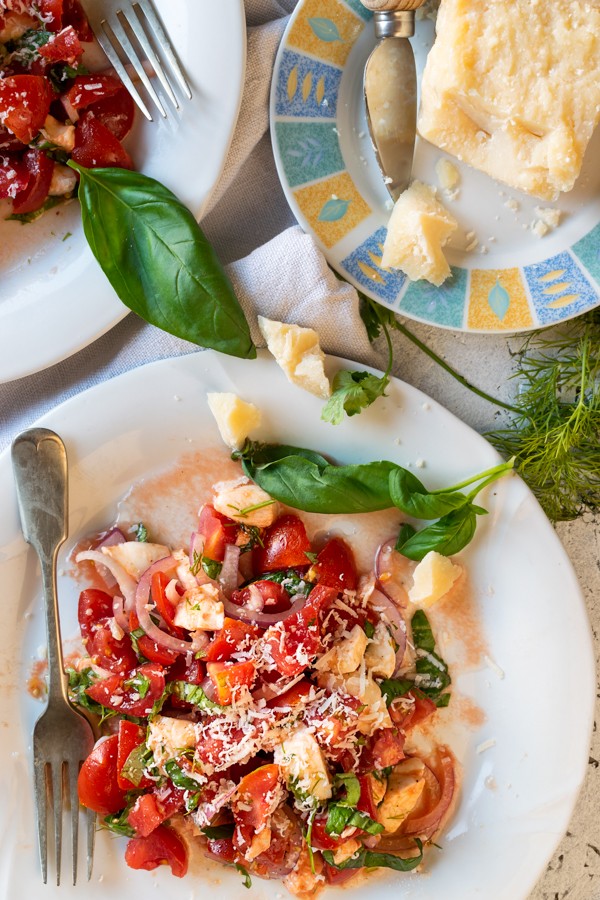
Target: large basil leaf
(369, 859)
(413, 498)
(432, 670)
(158, 260)
(449, 535)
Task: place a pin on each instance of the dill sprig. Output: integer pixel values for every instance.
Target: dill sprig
(555, 431)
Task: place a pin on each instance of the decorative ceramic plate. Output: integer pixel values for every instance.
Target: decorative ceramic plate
(54, 298)
(523, 743)
(508, 280)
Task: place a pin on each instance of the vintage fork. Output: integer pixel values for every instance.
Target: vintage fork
(111, 20)
(62, 737)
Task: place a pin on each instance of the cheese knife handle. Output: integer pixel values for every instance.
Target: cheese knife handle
(392, 5)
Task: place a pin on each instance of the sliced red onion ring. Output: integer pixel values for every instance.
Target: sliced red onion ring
(392, 571)
(205, 812)
(111, 538)
(168, 566)
(389, 612)
(262, 619)
(426, 825)
(121, 617)
(127, 584)
(229, 578)
(268, 691)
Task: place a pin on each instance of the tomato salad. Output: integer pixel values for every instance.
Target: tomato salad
(258, 696)
(51, 108)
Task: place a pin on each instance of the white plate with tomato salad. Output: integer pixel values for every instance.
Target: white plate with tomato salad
(54, 299)
(516, 636)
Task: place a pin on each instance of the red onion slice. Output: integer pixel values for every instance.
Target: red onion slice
(205, 812)
(442, 769)
(393, 571)
(121, 617)
(262, 619)
(167, 565)
(127, 584)
(228, 578)
(111, 538)
(196, 546)
(390, 613)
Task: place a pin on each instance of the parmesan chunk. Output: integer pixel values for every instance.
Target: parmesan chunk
(521, 99)
(200, 609)
(303, 765)
(405, 786)
(433, 578)
(167, 737)
(246, 503)
(347, 654)
(299, 354)
(381, 656)
(136, 556)
(418, 229)
(235, 418)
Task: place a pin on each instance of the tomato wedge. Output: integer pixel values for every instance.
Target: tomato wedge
(96, 147)
(64, 47)
(74, 15)
(285, 545)
(14, 175)
(276, 598)
(230, 638)
(335, 566)
(217, 530)
(98, 784)
(296, 641)
(40, 169)
(90, 88)
(24, 104)
(93, 606)
(162, 847)
(253, 803)
(115, 112)
(124, 694)
(226, 678)
(108, 652)
(151, 810)
(130, 736)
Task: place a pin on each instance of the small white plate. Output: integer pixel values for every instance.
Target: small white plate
(510, 281)
(516, 797)
(54, 298)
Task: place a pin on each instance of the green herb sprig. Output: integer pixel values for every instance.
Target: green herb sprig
(370, 859)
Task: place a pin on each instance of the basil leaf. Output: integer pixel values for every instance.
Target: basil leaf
(447, 536)
(139, 683)
(391, 688)
(369, 628)
(179, 778)
(352, 786)
(118, 823)
(293, 583)
(219, 832)
(413, 498)
(351, 393)
(211, 567)
(246, 880)
(406, 532)
(433, 673)
(192, 693)
(340, 817)
(136, 764)
(422, 632)
(368, 859)
(158, 260)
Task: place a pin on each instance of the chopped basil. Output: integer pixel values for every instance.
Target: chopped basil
(340, 817)
(352, 785)
(79, 682)
(141, 532)
(179, 778)
(406, 532)
(139, 683)
(432, 672)
(191, 693)
(118, 822)
(246, 880)
(26, 218)
(369, 859)
(391, 688)
(219, 832)
(369, 629)
(291, 581)
(211, 567)
(136, 764)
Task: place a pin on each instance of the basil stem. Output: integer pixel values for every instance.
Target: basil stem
(158, 260)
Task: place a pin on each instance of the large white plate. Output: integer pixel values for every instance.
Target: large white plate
(511, 281)
(54, 298)
(539, 714)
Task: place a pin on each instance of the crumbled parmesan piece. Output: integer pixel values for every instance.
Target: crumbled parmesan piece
(433, 578)
(235, 418)
(447, 174)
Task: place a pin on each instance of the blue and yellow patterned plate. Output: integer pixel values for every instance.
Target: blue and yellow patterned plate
(512, 280)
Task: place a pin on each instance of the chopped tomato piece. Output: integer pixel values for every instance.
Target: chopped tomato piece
(254, 802)
(74, 15)
(124, 694)
(90, 88)
(164, 606)
(222, 850)
(93, 606)
(162, 847)
(40, 169)
(232, 636)
(422, 708)
(149, 648)
(285, 545)
(384, 748)
(217, 530)
(24, 104)
(321, 840)
(96, 147)
(228, 678)
(130, 737)
(335, 566)
(274, 595)
(366, 803)
(52, 12)
(294, 696)
(8, 142)
(182, 670)
(14, 175)
(97, 784)
(144, 816)
(64, 47)
(115, 112)
(295, 642)
(338, 876)
(108, 652)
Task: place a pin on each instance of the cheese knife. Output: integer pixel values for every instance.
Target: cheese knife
(390, 87)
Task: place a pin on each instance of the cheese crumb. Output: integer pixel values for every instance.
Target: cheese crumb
(447, 174)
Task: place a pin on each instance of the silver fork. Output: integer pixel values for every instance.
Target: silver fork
(138, 17)
(62, 737)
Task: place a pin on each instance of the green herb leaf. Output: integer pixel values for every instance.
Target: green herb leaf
(158, 260)
(449, 535)
(369, 859)
(26, 218)
(432, 671)
(211, 567)
(340, 817)
(79, 682)
(118, 823)
(141, 532)
(351, 393)
(139, 683)
(246, 880)
(136, 764)
(375, 317)
(369, 628)
(351, 784)
(290, 580)
(391, 688)
(406, 532)
(219, 832)
(179, 778)
(413, 498)
(191, 693)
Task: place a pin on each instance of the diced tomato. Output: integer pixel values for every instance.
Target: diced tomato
(228, 678)
(65, 47)
(162, 847)
(285, 545)
(116, 113)
(152, 809)
(384, 748)
(293, 697)
(97, 784)
(295, 642)
(93, 606)
(335, 566)
(338, 876)
(8, 142)
(422, 708)
(121, 693)
(366, 803)
(130, 737)
(214, 751)
(284, 849)
(35, 194)
(164, 606)
(320, 839)
(232, 636)
(222, 850)
(182, 670)
(275, 597)
(253, 803)
(149, 648)
(52, 12)
(90, 88)
(24, 104)
(74, 15)
(107, 651)
(333, 729)
(14, 175)
(96, 147)
(217, 530)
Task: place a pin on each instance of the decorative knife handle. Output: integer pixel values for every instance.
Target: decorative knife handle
(392, 5)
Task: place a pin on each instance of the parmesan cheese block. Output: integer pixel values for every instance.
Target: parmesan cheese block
(418, 229)
(299, 354)
(513, 88)
(433, 578)
(235, 419)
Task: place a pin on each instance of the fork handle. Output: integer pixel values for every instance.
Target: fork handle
(40, 467)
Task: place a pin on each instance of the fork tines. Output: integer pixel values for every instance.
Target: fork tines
(139, 20)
